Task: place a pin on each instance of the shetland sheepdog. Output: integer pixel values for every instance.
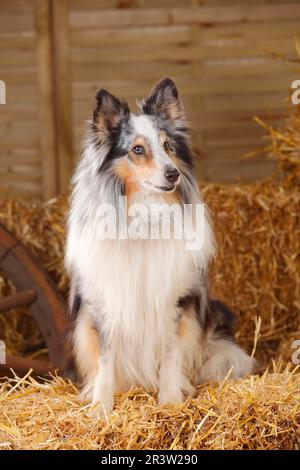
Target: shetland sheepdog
(141, 308)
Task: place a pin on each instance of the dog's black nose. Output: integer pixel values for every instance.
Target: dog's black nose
(171, 174)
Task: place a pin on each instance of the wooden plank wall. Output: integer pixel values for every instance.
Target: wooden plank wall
(55, 54)
(20, 166)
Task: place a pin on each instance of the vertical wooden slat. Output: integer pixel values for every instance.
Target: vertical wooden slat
(62, 97)
(46, 99)
(197, 71)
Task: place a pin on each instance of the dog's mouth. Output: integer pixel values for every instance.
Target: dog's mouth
(166, 189)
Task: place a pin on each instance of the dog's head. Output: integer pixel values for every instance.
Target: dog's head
(147, 151)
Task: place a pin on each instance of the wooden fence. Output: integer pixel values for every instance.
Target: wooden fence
(224, 56)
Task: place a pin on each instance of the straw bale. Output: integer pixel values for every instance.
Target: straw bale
(252, 413)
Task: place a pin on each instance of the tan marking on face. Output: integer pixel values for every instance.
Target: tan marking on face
(143, 166)
(123, 171)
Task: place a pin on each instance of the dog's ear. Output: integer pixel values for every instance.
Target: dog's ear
(109, 112)
(164, 100)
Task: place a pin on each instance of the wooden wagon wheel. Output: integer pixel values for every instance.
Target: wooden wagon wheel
(36, 291)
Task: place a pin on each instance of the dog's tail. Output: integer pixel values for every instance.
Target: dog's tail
(222, 355)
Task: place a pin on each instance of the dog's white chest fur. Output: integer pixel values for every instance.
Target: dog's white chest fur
(133, 287)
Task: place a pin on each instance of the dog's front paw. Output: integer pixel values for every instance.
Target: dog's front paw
(101, 409)
(188, 389)
(170, 396)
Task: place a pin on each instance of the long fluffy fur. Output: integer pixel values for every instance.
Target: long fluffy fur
(141, 309)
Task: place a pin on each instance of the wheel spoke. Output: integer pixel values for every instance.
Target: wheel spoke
(21, 299)
(23, 364)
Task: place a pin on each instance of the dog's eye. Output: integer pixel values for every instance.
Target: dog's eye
(167, 146)
(138, 149)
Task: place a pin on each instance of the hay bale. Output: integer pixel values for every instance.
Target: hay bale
(252, 413)
(257, 267)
